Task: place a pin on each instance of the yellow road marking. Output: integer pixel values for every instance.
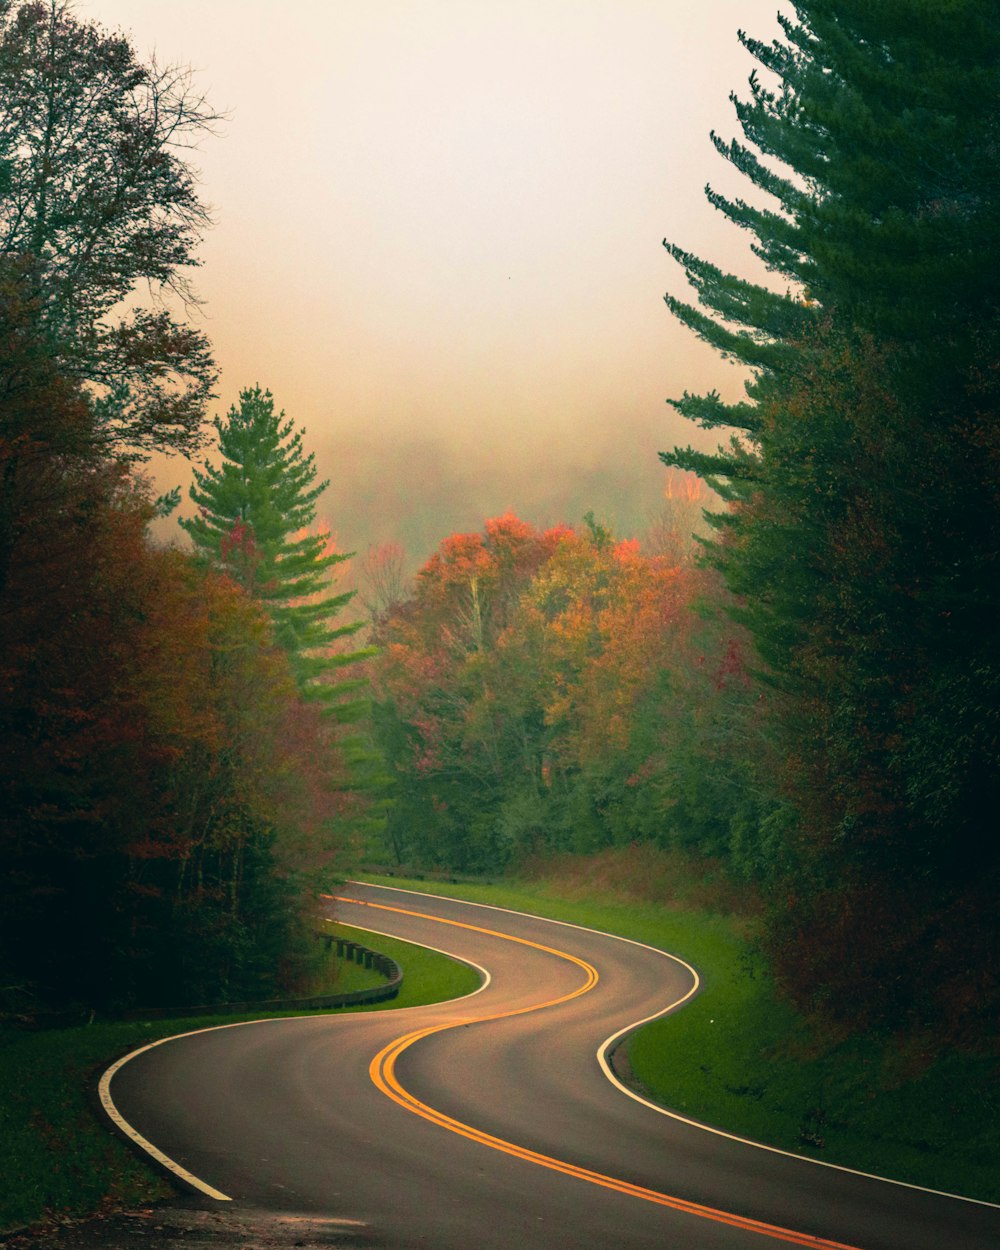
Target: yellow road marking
(589, 969)
(383, 1074)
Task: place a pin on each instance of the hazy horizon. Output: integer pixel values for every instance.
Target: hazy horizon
(438, 241)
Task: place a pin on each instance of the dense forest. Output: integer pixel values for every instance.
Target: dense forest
(175, 775)
(197, 737)
(827, 723)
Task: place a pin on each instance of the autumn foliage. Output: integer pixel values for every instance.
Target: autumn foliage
(166, 795)
(522, 701)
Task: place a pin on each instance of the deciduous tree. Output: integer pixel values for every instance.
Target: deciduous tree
(510, 685)
(97, 190)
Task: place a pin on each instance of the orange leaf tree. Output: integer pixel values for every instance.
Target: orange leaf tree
(511, 686)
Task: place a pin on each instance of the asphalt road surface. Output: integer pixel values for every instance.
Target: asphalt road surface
(495, 1122)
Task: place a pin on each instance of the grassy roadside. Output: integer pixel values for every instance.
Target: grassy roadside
(60, 1158)
(428, 977)
(741, 1059)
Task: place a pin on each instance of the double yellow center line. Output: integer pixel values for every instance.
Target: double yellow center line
(382, 1071)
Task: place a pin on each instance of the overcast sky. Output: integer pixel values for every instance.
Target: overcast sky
(438, 239)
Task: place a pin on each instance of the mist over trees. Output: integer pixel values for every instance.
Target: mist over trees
(168, 803)
(807, 694)
(828, 723)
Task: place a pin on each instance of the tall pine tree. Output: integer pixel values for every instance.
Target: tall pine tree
(864, 530)
(255, 509)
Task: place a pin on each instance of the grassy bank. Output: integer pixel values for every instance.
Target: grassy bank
(60, 1158)
(739, 1058)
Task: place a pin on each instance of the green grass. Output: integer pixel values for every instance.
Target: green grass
(59, 1156)
(741, 1059)
(428, 977)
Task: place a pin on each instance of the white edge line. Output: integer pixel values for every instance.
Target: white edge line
(116, 1117)
(171, 1165)
(629, 1028)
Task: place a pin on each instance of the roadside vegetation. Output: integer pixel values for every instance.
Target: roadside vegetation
(814, 702)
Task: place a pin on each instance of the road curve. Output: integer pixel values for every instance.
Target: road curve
(491, 1121)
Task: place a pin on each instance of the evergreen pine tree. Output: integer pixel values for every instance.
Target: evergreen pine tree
(254, 513)
(863, 537)
(885, 216)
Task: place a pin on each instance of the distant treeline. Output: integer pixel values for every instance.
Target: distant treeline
(830, 725)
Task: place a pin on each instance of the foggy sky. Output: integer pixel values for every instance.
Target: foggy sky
(438, 240)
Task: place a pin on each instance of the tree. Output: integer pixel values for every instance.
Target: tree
(235, 828)
(677, 530)
(161, 811)
(884, 213)
(254, 513)
(96, 191)
(164, 811)
(862, 537)
(451, 724)
(383, 580)
(47, 431)
(510, 683)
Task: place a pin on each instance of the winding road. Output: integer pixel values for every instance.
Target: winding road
(495, 1122)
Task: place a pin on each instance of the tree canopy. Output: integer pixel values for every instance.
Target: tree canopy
(166, 812)
(255, 510)
(517, 694)
(97, 193)
(862, 538)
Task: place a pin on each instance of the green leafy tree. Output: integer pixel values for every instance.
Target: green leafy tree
(862, 537)
(164, 811)
(255, 510)
(96, 190)
(511, 685)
